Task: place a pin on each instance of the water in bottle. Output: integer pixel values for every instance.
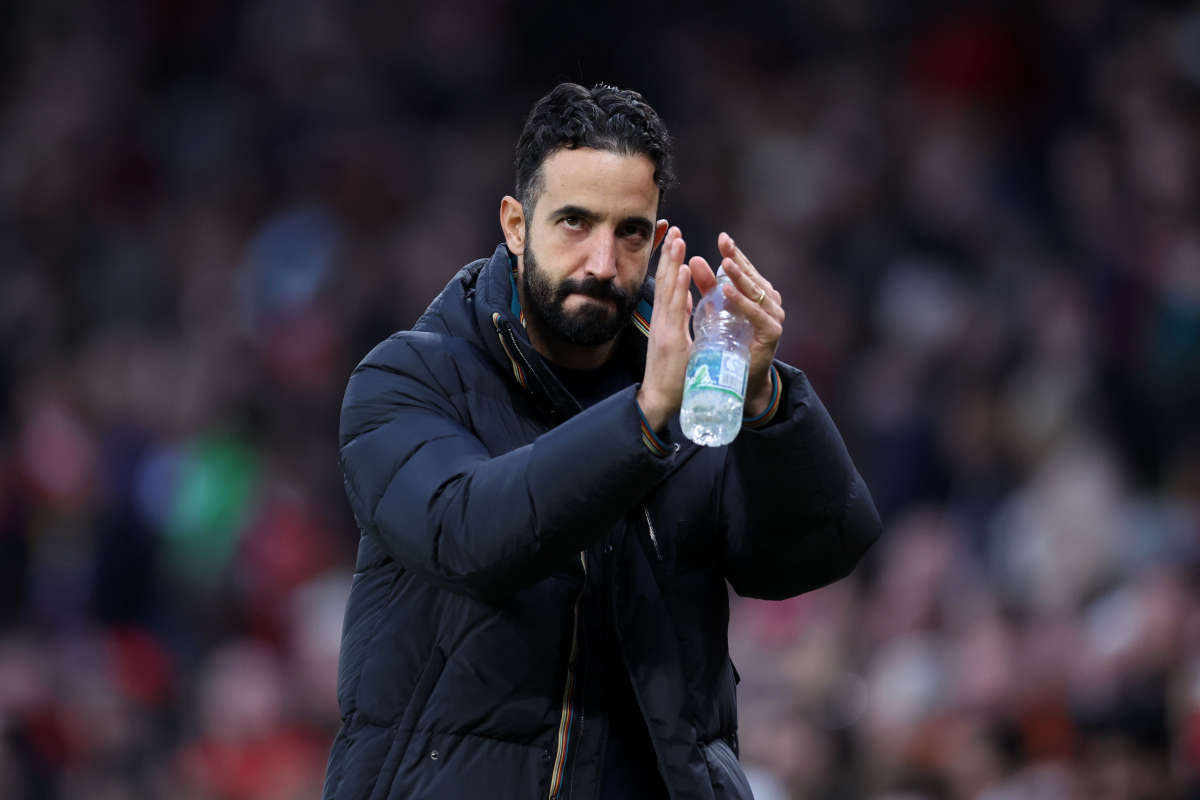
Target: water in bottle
(714, 391)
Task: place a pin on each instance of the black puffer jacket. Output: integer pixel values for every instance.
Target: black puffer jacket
(492, 509)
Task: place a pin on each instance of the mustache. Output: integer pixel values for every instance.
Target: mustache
(593, 287)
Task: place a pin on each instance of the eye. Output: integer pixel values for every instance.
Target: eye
(572, 222)
(633, 231)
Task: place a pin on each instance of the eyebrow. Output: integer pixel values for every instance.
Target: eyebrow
(592, 216)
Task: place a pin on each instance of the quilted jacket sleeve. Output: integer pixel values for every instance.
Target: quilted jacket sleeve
(469, 522)
(797, 515)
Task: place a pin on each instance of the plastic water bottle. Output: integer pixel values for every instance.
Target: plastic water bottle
(714, 391)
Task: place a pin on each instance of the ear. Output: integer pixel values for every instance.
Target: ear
(660, 230)
(512, 221)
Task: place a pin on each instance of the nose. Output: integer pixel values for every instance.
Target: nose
(602, 260)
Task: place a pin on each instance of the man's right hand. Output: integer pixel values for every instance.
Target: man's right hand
(661, 393)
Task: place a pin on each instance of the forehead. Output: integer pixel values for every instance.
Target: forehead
(600, 181)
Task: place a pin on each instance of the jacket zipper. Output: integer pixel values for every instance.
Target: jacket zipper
(567, 720)
(653, 538)
(513, 338)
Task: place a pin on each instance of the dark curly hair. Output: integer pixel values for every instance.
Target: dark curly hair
(603, 118)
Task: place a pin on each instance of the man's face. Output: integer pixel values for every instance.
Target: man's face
(588, 243)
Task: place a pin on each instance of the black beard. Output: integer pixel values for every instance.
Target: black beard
(593, 324)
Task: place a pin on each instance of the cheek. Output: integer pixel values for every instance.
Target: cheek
(632, 277)
(635, 261)
(559, 254)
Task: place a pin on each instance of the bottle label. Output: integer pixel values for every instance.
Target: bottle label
(717, 369)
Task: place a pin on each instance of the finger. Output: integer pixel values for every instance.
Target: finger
(678, 307)
(729, 249)
(754, 288)
(726, 245)
(664, 257)
(673, 251)
(660, 270)
(678, 253)
(733, 269)
(763, 321)
(702, 274)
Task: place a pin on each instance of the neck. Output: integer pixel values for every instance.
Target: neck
(565, 354)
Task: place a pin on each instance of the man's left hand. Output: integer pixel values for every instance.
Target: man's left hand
(747, 290)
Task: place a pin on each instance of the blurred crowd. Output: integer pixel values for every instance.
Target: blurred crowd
(982, 216)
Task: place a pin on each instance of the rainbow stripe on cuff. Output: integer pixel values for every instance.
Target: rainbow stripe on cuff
(649, 438)
(753, 423)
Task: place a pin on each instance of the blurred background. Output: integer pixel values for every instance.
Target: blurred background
(983, 220)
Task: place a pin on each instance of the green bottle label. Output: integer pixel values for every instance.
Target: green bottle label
(717, 369)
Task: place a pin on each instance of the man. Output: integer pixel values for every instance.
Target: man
(540, 605)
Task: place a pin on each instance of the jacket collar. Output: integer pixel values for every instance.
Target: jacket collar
(502, 327)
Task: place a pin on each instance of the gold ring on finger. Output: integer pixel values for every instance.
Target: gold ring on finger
(762, 295)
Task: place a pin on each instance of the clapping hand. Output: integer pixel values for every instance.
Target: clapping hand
(753, 296)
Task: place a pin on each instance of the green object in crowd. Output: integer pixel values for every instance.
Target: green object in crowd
(213, 503)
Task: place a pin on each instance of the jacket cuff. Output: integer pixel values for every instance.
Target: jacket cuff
(764, 419)
(654, 443)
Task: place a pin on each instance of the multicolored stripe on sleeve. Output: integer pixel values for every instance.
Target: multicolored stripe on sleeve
(649, 438)
(763, 419)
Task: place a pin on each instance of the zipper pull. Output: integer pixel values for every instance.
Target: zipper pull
(583, 560)
(653, 538)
